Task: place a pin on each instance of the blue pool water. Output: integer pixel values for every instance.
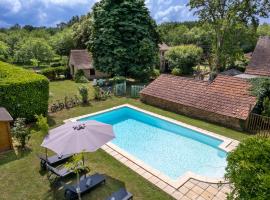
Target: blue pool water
(165, 146)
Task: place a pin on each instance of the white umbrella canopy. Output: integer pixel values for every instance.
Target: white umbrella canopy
(78, 137)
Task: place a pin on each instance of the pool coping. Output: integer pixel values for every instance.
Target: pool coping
(225, 146)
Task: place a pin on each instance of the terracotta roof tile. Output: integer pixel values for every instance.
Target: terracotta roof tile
(260, 61)
(226, 95)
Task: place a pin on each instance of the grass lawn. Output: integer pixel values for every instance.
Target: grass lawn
(20, 174)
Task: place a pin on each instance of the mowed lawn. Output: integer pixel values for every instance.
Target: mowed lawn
(20, 174)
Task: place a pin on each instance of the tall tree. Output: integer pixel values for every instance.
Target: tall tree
(62, 42)
(124, 38)
(33, 48)
(82, 31)
(226, 17)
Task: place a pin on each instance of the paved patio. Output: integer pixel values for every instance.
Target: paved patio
(192, 189)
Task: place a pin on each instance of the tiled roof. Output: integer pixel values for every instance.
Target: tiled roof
(81, 59)
(4, 115)
(163, 47)
(226, 95)
(260, 61)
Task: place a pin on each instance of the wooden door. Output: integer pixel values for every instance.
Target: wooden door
(5, 141)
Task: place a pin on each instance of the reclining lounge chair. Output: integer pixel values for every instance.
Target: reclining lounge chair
(87, 183)
(52, 160)
(121, 194)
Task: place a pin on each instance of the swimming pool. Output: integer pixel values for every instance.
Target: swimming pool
(168, 147)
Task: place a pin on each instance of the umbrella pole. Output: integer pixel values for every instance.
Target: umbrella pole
(46, 153)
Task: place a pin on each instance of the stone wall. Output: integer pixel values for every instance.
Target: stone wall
(194, 112)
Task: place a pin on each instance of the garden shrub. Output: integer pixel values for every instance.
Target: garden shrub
(84, 94)
(248, 169)
(20, 132)
(261, 89)
(184, 57)
(177, 71)
(155, 73)
(53, 72)
(79, 77)
(22, 92)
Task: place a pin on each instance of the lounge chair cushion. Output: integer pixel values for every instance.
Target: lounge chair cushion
(121, 194)
(54, 160)
(96, 179)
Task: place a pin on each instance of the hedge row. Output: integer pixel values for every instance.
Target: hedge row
(23, 93)
(53, 72)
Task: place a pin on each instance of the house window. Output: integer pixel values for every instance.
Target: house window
(92, 72)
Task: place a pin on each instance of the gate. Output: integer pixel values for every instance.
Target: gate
(135, 90)
(258, 124)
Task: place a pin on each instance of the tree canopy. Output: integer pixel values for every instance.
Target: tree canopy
(124, 39)
(228, 20)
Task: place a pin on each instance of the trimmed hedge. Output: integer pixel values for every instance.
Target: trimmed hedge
(23, 93)
(53, 72)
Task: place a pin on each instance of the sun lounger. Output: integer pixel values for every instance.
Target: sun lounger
(59, 173)
(87, 183)
(52, 160)
(121, 194)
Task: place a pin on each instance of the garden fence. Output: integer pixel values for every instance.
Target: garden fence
(135, 90)
(120, 89)
(258, 124)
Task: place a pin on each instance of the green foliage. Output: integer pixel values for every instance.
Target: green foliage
(266, 107)
(33, 48)
(76, 165)
(184, 57)
(79, 77)
(62, 42)
(124, 38)
(82, 31)
(155, 73)
(229, 21)
(248, 169)
(119, 79)
(264, 30)
(53, 72)
(4, 51)
(84, 94)
(261, 89)
(23, 93)
(20, 132)
(177, 71)
(42, 124)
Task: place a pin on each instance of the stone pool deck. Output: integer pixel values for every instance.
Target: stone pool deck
(191, 189)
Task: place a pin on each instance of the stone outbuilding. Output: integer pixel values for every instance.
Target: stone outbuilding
(82, 60)
(226, 100)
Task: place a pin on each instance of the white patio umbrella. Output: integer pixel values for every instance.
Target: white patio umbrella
(78, 137)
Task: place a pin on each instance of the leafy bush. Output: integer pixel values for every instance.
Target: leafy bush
(20, 132)
(53, 72)
(177, 71)
(261, 89)
(249, 169)
(23, 93)
(42, 124)
(79, 77)
(155, 73)
(266, 106)
(184, 57)
(84, 94)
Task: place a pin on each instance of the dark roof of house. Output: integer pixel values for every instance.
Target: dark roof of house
(226, 95)
(260, 61)
(81, 59)
(4, 115)
(231, 72)
(163, 47)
